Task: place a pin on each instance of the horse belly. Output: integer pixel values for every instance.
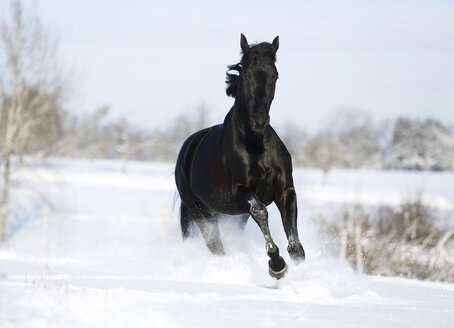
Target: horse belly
(223, 202)
(213, 189)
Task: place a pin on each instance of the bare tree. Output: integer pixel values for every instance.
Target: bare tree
(31, 91)
(358, 139)
(420, 145)
(91, 134)
(129, 144)
(170, 138)
(322, 151)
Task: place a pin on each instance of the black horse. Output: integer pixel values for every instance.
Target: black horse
(241, 166)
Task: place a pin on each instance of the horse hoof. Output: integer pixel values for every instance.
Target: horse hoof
(297, 253)
(278, 274)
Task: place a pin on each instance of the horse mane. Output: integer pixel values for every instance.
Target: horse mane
(232, 80)
(263, 49)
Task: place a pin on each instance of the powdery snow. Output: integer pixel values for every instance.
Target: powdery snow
(110, 254)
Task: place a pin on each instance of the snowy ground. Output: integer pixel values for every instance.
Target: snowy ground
(108, 253)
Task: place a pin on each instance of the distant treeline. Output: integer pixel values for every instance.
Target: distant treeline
(353, 140)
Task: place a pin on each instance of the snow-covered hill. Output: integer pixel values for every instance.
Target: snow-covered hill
(108, 253)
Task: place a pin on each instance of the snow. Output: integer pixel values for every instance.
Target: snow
(378, 187)
(109, 253)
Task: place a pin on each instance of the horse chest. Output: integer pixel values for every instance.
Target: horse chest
(260, 181)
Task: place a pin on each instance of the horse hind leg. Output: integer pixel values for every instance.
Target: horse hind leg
(209, 228)
(207, 224)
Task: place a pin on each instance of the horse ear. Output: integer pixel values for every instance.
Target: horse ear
(243, 43)
(275, 44)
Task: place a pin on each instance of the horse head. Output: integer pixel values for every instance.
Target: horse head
(255, 83)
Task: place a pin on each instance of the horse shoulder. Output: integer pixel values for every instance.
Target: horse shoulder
(280, 154)
(281, 163)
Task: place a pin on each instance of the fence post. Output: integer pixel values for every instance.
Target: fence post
(343, 245)
(46, 227)
(344, 237)
(359, 249)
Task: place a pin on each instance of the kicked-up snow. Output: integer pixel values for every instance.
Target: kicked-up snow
(107, 252)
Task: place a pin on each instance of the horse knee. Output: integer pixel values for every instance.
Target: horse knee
(258, 211)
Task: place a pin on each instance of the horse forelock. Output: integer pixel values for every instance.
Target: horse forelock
(259, 51)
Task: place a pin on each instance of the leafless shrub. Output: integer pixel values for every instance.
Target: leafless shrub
(403, 241)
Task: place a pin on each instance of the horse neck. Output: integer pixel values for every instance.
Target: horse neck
(238, 128)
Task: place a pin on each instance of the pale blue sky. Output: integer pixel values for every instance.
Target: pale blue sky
(151, 61)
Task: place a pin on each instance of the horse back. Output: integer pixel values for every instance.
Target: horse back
(185, 157)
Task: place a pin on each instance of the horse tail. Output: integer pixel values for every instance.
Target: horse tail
(185, 221)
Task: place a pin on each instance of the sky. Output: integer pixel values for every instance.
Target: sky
(151, 61)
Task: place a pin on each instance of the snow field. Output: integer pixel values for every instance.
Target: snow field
(110, 254)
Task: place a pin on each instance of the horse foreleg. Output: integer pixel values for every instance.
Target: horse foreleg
(277, 266)
(288, 209)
